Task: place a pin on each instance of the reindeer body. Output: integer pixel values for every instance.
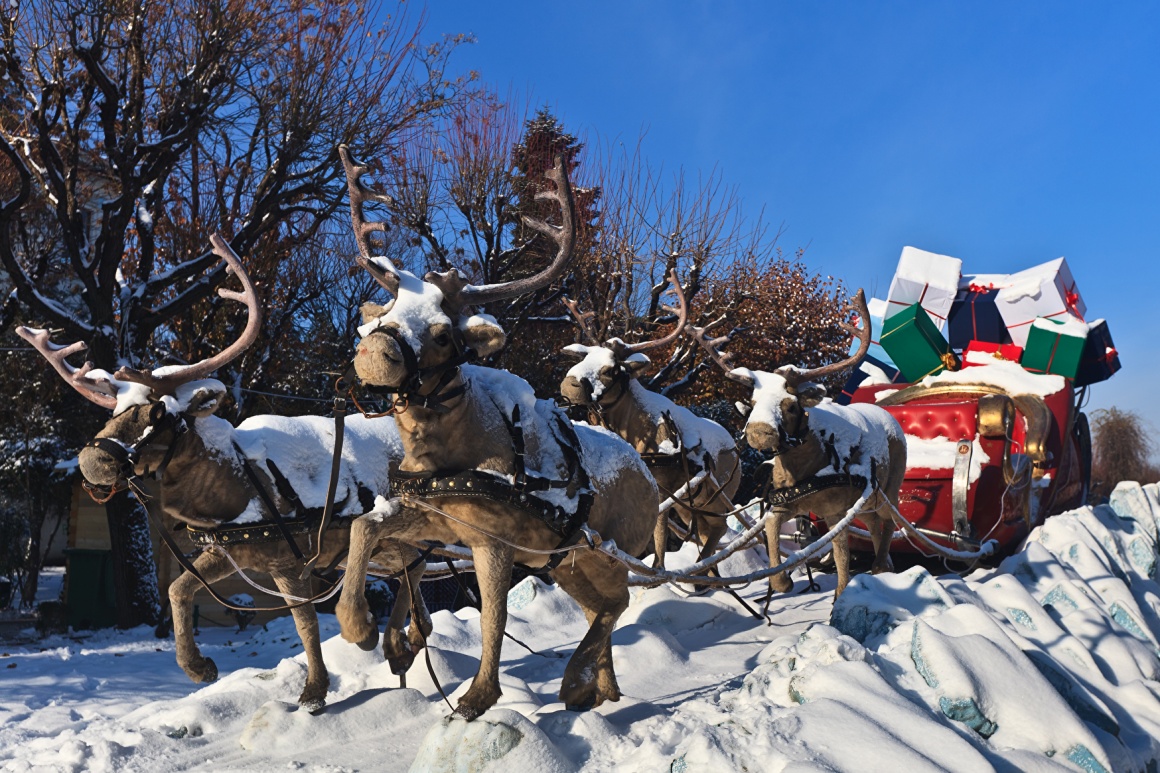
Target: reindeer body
(205, 486)
(678, 446)
(859, 440)
(642, 418)
(473, 434)
(811, 439)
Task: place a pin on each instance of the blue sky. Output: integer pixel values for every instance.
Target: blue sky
(1003, 134)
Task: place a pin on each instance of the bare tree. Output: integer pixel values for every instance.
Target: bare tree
(1122, 447)
(135, 128)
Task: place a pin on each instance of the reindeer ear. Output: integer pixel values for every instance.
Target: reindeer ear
(482, 334)
(371, 311)
(204, 400)
(636, 365)
(810, 394)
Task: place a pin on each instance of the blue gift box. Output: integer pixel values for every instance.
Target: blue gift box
(974, 316)
(1100, 358)
(875, 353)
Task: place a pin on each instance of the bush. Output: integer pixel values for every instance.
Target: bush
(1122, 448)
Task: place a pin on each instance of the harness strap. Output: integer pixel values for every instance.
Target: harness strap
(812, 485)
(332, 488)
(268, 501)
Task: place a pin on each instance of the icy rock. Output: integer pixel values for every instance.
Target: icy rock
(501, 741)
(523, 594)
(873, 605)
(1130, 502)
(993, 689)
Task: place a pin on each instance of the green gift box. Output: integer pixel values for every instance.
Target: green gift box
(915, 344)
(1055, 346)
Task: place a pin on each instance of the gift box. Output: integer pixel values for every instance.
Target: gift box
(1055, 346)
(927, 279)
(1046, 291)
(870, 372)
(877, 309)
(984, 352)
(975, 317)
(1100, 358)
(915, 344)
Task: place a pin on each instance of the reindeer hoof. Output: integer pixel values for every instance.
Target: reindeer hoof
(314, 706)
(401, 664)
(469, 713)
(370, 641)
(204, 673)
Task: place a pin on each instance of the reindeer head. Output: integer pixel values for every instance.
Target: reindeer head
(150, 409)
(779, 402)
(426, 330)
(603, 373)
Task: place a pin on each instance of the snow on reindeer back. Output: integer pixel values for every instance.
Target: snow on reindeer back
(603, 454)
(699, 435)
(301, 447)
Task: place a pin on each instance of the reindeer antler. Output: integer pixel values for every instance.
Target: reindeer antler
(723, 360)
(363, 228)
(682, 312)
(585, 319)
(794, 377)
(99, 391)
(175, 377)
(458, 293)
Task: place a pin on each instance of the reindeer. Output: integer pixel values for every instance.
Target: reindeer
(824, 455)
(464, 425)
(677, 445)
(163, 424)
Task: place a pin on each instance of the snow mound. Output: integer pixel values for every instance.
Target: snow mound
(498, 742)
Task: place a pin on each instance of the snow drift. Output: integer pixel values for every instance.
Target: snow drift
(1049, 662)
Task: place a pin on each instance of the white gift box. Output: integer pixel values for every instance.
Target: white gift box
(1046, 290)
(927, 279)
(877, 309)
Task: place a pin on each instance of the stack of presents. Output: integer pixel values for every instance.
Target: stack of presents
(936, 318)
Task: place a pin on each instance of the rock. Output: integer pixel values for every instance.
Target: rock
(501, 741)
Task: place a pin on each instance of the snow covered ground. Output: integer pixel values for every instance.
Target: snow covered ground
(1049, 663)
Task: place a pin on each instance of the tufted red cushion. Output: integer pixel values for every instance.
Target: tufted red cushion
(953, 420)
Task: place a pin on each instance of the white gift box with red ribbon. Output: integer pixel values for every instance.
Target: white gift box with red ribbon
(925, 278)
(1046, 290)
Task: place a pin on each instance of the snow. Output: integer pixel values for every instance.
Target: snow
(596, 360)
(939, 453)
(992, 371)
(700, 436)
(416, 307)
(1046, 663)
(1066, 325)
(302, 447)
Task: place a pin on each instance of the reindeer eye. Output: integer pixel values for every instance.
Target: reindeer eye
(156, 413)
(442, 339)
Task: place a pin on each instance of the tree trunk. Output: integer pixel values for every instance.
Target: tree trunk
(134, 572)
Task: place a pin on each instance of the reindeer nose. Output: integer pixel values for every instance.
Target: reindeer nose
(576, 390)
(761, 437)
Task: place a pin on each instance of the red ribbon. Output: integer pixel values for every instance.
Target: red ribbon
(974, 288)
(1070, 299)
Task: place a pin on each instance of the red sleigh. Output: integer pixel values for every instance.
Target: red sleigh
(985, 464)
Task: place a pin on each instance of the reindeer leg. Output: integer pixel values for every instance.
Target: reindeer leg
(600, 586)
(400, 650)
(780, 582)
(660, 539)
(313, 696)
(354, 616)
(881, 530)
(841, 545)
(493, 571)
(212, 567)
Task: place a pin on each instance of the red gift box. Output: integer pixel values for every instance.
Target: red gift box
(1002, 351)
